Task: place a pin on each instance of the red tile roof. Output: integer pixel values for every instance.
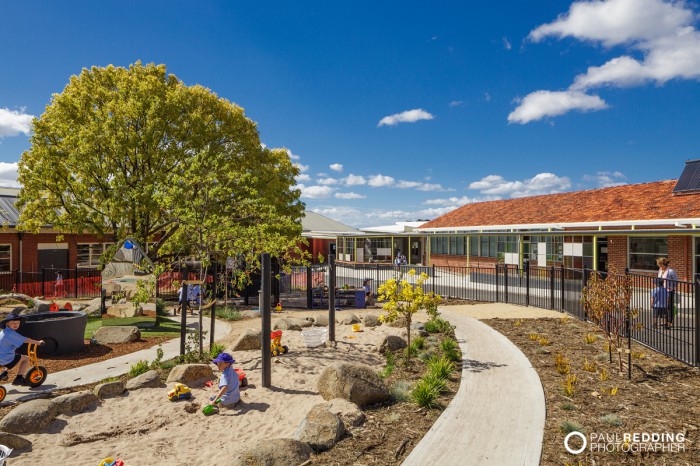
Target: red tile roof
(647, 201)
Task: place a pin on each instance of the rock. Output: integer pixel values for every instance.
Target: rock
(29, 418)
(353, 382)
(250, 314)
(273, 452)
(349, 412)
(14, 441)
(371, 320)
(399, 322)
(109, 334)
(150, 379)
(304, 323)
(392, 343)
(320, 428)
(287, 324)
(417, 326)
(190, 374)
(250, 340)
(351, 319)
(109, 389)
(414, 333)
(321, 320)
(77, 402)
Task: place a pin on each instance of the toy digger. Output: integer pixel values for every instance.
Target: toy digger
(276, 346)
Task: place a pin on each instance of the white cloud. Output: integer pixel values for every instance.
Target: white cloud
(13, 122)
(606, 179)
(315, 192)
(336, 167)
(430, 187)
(661, 32)
(459, 201)
(302, 168)
(487, 97)
(380, 181)
(409, 116)
(616, 22)
(402, 184)
(506, 44)
(303, 177)
(540, 104)
(354, 180)
(456, 103)
(327, 181)
(542, 183)
(8, 175)
(350, 195)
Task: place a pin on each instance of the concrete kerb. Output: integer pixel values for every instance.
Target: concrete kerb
(497, 416)
(114, 367)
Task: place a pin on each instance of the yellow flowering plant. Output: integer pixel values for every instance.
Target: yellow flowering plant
(403, 299)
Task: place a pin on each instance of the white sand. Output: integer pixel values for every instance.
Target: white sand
(145, 428)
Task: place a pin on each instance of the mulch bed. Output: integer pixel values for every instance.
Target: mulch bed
(660, 398)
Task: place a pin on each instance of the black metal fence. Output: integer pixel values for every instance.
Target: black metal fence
(53, 283)
(555, 288)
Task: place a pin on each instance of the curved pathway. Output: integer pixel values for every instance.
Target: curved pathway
(497, 416)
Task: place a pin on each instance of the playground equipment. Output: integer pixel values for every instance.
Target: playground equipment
(35, 375)
(112, 462)
(180, 392)
(276, 346)
(242, 379)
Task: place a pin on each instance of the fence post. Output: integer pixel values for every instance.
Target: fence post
(697, 320)
(505, 283)
(527, 282)
(18, 282)
(432, 287)
(551, 287)
(309, 287)
(43, 281)
(563, 286)
(497, 297)
(265, 310)
(331, 298)
(628, 328)
(75, 287)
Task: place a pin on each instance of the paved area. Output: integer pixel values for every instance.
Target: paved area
(497, 416)
(111, 367)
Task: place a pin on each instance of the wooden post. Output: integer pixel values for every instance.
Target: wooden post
(266, 324)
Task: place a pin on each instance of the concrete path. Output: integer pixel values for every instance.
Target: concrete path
(497, 416)
(111, 367)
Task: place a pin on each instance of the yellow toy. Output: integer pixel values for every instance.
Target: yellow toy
(278, 308)
(180, 392)
(276, 346)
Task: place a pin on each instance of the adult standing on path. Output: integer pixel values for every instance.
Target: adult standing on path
(670, 282)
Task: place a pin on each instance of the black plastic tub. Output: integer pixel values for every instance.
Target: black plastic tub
(63, 332)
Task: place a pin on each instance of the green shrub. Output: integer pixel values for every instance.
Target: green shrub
(567, 427)
(390, 365)
(216, 349)
(568, 406)
(450, 348)
(141, 367)
(400, 391)
(425, 394)
(426, 356)
(436, 382)
(418, 343)
(161, 308)
(169, 364)
(438, 326)
(612, 419)
(441, 367)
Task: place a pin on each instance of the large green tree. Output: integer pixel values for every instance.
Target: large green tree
(135, 152)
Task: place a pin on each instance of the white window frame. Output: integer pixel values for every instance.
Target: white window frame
(10, 255)
(95, 251)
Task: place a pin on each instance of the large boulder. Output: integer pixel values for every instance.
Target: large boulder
(109, 389)
(250, 314)
(399, 322)
(351, 319)
(29, 418)
(371, 320)
(110, 334)
(320, 428)
(250, 340)
(288, 324)
(392, 343)
(150, 379)
(273, 452)
(190, 374)
(349, 412)
(14, 441)
(353, 382)
(321, 320)
(77, 402)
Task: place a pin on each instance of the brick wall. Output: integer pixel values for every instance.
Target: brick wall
(617, 252)
(680, 253)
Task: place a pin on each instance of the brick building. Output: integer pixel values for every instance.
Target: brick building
(622, 227)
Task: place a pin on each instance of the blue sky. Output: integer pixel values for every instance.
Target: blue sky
(397, 111)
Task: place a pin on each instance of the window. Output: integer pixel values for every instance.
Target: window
(643, 252)
(439, 245)
(89, 254)
(5, 258)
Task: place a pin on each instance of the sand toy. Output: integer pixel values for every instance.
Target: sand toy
(276, 346)
(180, 392)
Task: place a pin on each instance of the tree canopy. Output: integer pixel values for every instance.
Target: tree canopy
(136, 152)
